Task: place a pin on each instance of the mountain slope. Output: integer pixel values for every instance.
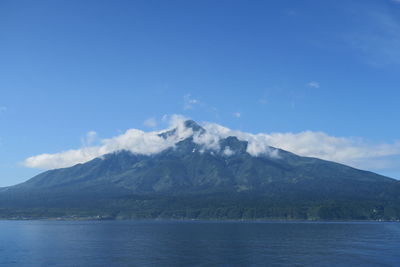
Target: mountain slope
(188, 177)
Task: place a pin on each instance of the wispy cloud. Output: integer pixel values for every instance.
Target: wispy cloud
(150, 122)
(379, 40)
(351, 151)
(313, 84)
(237, 114)
(90, 138)
(189, 102)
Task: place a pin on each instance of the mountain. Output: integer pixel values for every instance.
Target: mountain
(191, 180)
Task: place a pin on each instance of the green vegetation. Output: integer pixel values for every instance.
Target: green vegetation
(235, 206)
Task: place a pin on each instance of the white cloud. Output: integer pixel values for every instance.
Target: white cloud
(313, 84)
(351, 151)
(62, 159)
(237, 114)
(257, 144)
(134, 140)
(89, 139)
(150, 122)
(189, 102)
(228, 151)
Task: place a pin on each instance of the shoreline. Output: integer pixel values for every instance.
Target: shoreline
(216, 220)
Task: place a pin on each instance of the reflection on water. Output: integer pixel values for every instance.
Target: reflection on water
(174, 243)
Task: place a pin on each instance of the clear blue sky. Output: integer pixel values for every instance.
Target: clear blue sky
(70, 67)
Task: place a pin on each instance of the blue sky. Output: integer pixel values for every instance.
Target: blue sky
(71, 67)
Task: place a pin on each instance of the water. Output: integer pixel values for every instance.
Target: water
(172, 243)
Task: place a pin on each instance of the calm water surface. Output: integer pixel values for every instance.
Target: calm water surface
(172, 243)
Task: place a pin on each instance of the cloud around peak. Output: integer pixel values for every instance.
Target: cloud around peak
(351, 151)
(134, 140)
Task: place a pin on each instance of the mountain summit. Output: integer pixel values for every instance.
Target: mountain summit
(201, 175)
